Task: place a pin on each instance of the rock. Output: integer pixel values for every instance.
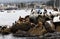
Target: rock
(5, 31)
(37, 31)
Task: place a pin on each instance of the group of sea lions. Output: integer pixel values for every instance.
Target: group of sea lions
(32, 26)
(29, 26)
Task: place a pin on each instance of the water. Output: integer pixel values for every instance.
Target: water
(9, 17)
(10, 36)
(55, 35)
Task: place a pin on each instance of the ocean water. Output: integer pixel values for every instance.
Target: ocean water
(9, 17)
(10, 36)
(55, 35)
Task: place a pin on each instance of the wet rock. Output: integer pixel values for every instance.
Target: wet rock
(5, 31)
(20, 33)
(55, 35)
(37, 31)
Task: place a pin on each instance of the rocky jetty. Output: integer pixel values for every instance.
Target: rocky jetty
(24, 27)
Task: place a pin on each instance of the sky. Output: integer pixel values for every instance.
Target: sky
(7, 1)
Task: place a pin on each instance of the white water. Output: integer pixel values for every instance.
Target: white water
(10, 36)
(7, 18)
